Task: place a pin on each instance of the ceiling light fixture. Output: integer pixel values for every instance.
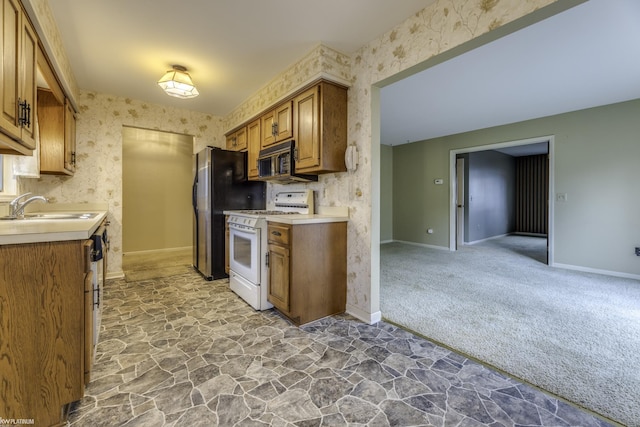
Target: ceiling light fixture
(178, 83)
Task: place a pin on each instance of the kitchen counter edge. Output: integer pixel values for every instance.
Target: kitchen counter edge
(297, 219)
(50, 230)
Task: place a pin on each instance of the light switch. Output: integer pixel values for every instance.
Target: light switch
(561, 197)
(439, 181)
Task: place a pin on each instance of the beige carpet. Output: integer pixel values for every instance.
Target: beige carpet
(574, 334)
(153, 265)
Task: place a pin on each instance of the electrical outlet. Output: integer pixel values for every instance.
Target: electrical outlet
(637, 251)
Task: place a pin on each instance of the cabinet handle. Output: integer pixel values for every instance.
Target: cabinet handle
(275, 127)
(276, 233)
(295, 154)
(73, 158)
(266, 259)
(24, 116)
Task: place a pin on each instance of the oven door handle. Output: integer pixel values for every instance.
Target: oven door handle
(241, 229)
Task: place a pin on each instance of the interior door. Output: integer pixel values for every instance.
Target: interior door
(459, 202)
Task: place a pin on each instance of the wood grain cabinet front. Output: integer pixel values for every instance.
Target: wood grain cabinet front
(237, 141)
(42, 329)
(277, 125)
(320, 129)
(18, 75)
(307, 269)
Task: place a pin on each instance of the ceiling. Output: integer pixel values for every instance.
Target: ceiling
(584, 57)
(232, 48)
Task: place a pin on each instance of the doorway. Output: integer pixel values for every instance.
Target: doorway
(502, 189)
(156, 213)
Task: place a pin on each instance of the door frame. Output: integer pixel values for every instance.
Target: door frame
(454, 187)
(460, 201)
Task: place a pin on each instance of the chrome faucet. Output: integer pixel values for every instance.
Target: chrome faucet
(16, 207)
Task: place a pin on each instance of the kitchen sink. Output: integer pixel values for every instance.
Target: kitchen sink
(52, 216)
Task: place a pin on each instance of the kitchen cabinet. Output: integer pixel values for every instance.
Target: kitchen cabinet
(44, 329)
(307, 269)
(253, 148)
(237, 141)
(57, 126)
(320, 129)
(69, 137)
(277, 125)
(18, 75)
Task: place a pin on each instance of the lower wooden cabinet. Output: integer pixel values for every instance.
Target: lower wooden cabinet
(43, 329)
(307, 269)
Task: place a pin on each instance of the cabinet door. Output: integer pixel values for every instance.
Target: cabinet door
(306, 116)
(10, 69)
(28, 77)
(268, 125)
(253, 148)
(69, 137)
(277, 125)
(279, 277)
(237, 141)
(284, 122)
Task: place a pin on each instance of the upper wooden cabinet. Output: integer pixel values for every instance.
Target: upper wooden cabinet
(277, 125)
(56, 122)
(253, 145)
(320, 128)
(18, 75)
(237, 141)
(69, 137)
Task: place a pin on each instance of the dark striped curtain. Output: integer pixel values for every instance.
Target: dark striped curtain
(532, 194)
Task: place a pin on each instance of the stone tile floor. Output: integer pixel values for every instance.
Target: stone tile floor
(181, 351)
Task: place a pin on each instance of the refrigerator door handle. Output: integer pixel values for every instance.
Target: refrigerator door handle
(194, 195)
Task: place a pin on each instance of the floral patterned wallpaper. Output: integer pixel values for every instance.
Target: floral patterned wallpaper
(441, 26)
(98, 176)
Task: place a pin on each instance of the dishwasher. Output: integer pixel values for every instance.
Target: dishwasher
(98, 267)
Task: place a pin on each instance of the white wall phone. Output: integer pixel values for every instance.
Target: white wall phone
(351, 158)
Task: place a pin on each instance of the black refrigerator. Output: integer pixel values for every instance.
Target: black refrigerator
(220, 183)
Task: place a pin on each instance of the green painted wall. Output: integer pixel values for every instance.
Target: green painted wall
(596, 157)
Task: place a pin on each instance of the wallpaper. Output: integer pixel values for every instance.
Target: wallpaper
(98, 176)
(441, 26)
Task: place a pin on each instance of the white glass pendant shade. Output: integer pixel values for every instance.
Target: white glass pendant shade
(178, 83)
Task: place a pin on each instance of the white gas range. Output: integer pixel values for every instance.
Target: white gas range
(248, 275)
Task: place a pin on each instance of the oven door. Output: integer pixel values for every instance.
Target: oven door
(244, 252)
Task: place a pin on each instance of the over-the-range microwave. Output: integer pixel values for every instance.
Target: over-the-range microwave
(277, 163)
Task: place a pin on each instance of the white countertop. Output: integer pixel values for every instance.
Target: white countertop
(39, 231)
(297, 219)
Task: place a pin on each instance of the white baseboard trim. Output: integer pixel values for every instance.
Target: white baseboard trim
(597, 271)
(487, 239)
(424, 245)
(369, 318)
(115, 275)
(156, 251)
(384, 242)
